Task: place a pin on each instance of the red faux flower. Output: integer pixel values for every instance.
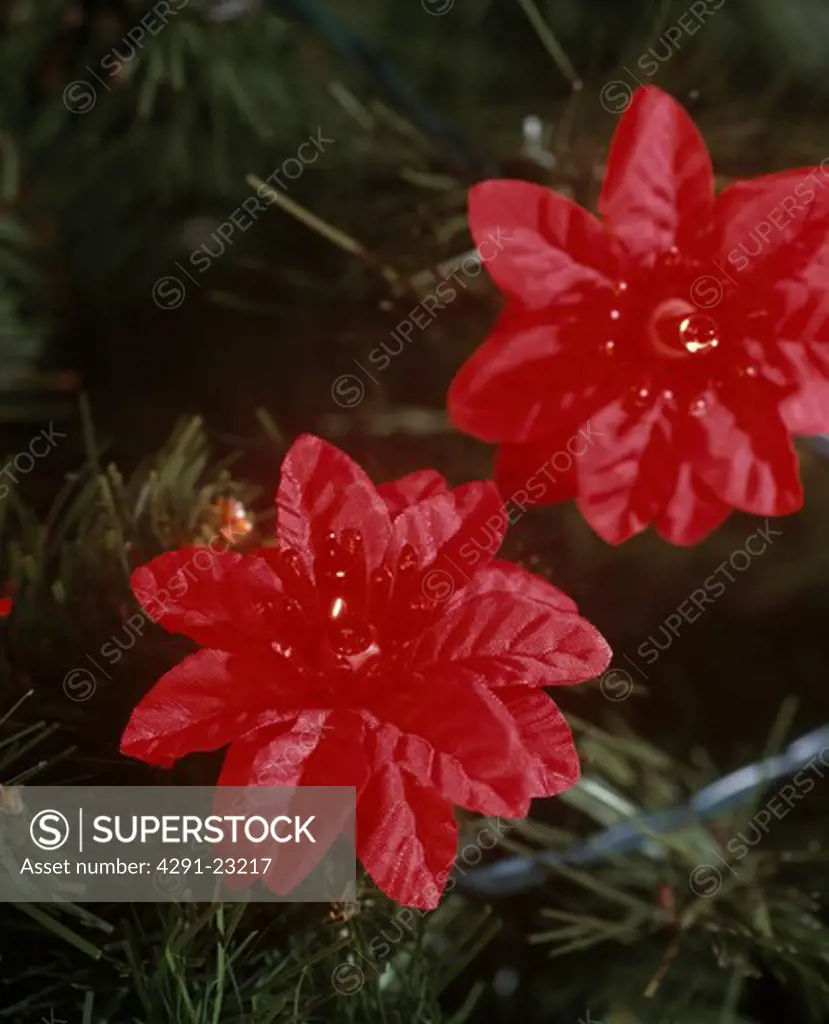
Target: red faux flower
(380, 646)
(653, 364)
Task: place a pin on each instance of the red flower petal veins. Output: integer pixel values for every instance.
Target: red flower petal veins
(550, 248)
(658, 188)
(694, 355)
(329, 661)
(407, 838)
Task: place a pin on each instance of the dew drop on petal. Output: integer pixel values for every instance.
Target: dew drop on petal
(677, 331)
(699, 333)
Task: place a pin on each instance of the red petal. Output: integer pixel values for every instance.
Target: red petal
(318, 749)
(408, 490)
(452, 532)
(743, 452)
(692, 511)
(541, 472)
(550, 247)
(658, 189)
(774, 224)
(509, 639)
(214, 597)
(322, 491)
(799, 358)
(626, 476)
(406, 838)
(275, 755)
(184, 599)
(504, 577)
(456, 737)
(546, 735)
(802, 363)
(806, 412)
(205, 702)
(535, 375)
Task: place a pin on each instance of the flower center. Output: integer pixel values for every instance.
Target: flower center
(676, 329)
(353, 616)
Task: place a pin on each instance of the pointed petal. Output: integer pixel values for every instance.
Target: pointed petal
(318, 749)
(626, 476)
(744, 454)
(798, 360)
(692, 512)
(406, 838)
(275, 755)
(658, 189)
(509, 639)
(537, 374)
(408, 490)
(321, 491)
(546, 735)
(205, 702)
(457, 738)
(452, 532)
(806, 411)
(212, 596)
(504, 577)
(773, 225)
(546, 247)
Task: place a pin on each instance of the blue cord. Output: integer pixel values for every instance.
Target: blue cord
(517, 874)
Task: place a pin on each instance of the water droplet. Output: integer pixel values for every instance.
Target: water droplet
(699, 333)
(698, 407)
(609, 346)
(668, 395)
(676, 330)
(615, 314)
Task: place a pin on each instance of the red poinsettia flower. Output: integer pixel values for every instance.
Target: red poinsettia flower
(654, 363)
(380, 645)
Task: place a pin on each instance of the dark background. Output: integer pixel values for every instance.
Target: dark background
(419, 105)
